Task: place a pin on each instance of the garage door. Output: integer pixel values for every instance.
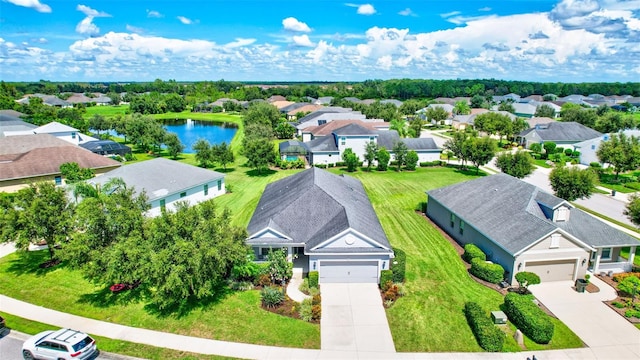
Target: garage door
(348, 271)
(556, 270)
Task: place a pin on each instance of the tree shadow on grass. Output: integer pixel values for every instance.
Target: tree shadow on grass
(28, 262)
(184, 309)
(262, 173)
(227, 170)
(105, 298)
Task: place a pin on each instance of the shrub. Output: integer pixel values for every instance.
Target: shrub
(587, 278)
(247, 271)
(595, 165)
(632, 313)
(385, 277)
(304, 287)
(313, 291)
(393, 163)
(313, 279)
(320, 166)
(316, 312)
(526, 278)
(315, 299)
(340, 164)
(400, 289)
(489, 337)
(493, 273)
(617, 304)
(528, 317)
(620, 277)
(271, 296)
(391, 292)
(398, 265)
(575, 154)
(241, 285)
(263, 280)
(473, 252)
(431, 163)
(306, 312)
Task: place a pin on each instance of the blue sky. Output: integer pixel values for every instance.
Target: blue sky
(322, 40)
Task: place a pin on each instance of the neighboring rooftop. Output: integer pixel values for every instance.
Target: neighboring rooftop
(563, 131)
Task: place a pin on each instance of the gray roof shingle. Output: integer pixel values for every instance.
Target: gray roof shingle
(160, 177)
(563, 131)
(315, 205)
(511, 212)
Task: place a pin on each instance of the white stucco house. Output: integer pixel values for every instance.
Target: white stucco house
(588, 149)
(167, 182)
(60, 131)
(326, 223)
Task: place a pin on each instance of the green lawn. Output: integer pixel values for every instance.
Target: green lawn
(106, 111)
(609, 181)
(109, 345)
(429, 318)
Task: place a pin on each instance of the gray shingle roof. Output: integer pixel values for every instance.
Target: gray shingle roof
(160, 177)
(420, 144)
(387, 138)
(511, 213)
(354, 129)
(315, 205)
(324, 143)
(563, 131)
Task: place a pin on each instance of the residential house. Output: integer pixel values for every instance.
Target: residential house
(329, 149)
(326, 223)
(326, 129)
(282, 104)
(523, 228)
(292, 114)
(588, 149)
(524, 110)
(166, 182)
(37, 157)
(461, 122)
(274, 98)
(12, 124)
(422, 113)
(13, 113)
(49, 100)
(61, 131)
(539, 120)
(395, 102)
(324, 100)
(561, 133)
(325, 115)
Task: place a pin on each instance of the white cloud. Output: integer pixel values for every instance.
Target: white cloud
(86, 26)
(293, 24)
(486, 8)
(407, 12)
(302, 40)
(366, 9)
(33, 4)
(154, 14)
(449, 14)
(239, 43)
(134, 29)
(184, 20)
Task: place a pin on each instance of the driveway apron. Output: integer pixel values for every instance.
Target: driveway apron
(608, 334)
(354, 319)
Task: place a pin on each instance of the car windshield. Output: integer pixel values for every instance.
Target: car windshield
(82, 344)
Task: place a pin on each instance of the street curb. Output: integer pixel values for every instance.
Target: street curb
(104, 355)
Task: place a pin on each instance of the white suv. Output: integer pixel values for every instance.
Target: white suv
(63, 344)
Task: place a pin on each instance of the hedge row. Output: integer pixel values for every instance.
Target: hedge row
(399, 264)
(493, 273)
(385, 276)
(431, 163)
(528, 317)
(473, 252)
(489, 337)
(313, 279)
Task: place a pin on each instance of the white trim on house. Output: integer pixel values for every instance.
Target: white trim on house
(342, 235)
(564, 233)
(260, 234)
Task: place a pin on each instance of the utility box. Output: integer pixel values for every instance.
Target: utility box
(498, 317)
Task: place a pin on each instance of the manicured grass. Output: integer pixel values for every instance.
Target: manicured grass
(231, 316)
(108, 345)
(542, 163)
(107, 111)
(430, 318)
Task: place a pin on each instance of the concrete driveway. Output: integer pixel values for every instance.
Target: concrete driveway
(354, 319)
(608, 334)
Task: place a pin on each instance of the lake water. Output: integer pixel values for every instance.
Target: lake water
(189, 131)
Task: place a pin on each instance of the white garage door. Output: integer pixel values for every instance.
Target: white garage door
(348, 271)
(556, 270)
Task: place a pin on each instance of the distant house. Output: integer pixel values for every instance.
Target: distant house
(396, 103)
(326, 223)
(306, 108)
(422, 113)
(588, 149)
(61, 131)
(166, 182)
(535, 121)
(49, 100)
(37, 157)
(275, 98)
(524, 110)
(523, 228)
(106, 147)
(328, 149)
(561, 133)
(12, 124)
(461, 122)
(327, 114)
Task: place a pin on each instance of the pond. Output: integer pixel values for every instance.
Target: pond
(189, 131)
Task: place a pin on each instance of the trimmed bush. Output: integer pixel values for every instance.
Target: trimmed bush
(398, 265)
(473, 252)
(528, 317)
(489, 337)
(340, 164)
(620, 277)
(431, 163)
(271, 296)
(320, 166)
(385, 276)
(313, 279)
(493, 273)
(306, 310)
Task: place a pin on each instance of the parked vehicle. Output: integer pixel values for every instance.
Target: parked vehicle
(63, 344)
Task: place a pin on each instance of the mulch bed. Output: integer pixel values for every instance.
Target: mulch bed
(49, 263)
(620, 299)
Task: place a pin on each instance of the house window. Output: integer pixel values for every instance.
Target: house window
(183, 194)
(219, 185)
(593, 147)
(555, 241)
(163, 204)
(343, 141)
(206, 189)
(453, 218)
(73, 135)
(562, 214)
(322, 122)
(606, 254)
(58, 180)
(461, 227)
(372, 138)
